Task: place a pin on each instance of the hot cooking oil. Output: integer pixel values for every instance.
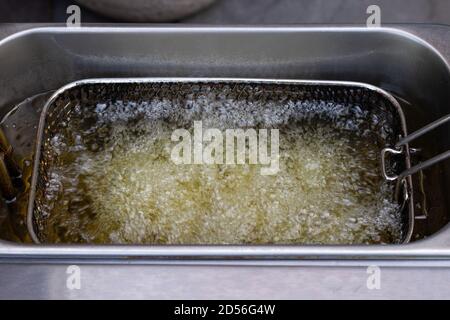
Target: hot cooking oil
(115, 182)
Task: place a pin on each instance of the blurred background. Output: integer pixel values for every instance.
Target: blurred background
(227, 11)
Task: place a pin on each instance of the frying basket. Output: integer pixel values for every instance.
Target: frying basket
(378, 103)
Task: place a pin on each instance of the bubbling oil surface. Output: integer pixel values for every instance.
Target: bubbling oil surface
(124, 188)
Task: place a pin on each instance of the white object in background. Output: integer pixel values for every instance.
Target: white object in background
(146, 10)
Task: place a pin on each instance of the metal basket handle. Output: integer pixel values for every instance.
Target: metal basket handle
(404, 141)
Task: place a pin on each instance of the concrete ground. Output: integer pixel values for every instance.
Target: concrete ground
(255, 11)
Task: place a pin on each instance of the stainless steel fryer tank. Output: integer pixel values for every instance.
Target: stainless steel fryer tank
(394, 60)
